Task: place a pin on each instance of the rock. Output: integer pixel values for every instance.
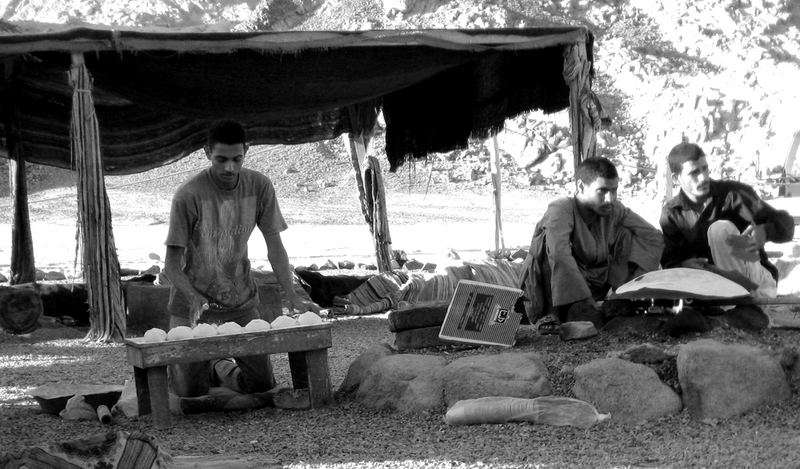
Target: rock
(422, 337)
(688, 321)
(504, 374)
(519, 254)
(329, 265)
(575, 330)
(630, 392)
(747, 318)
(3, 278)
(720, 381)
(452, 254)
(361, 364)
(54, 275)
(646, 353)
(404, 383)
(412, 264)
(346, 265)
(429, 267)
(39, 275)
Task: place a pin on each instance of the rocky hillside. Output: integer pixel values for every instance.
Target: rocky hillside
(719, 72)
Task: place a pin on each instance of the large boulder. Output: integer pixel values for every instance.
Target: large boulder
(505, 374)
(720, 381)
(404, 383)
(358, 369)
(630, 392)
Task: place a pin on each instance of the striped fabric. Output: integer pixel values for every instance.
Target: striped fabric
(418, 287)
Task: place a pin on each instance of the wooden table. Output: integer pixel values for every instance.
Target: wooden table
(307, 347)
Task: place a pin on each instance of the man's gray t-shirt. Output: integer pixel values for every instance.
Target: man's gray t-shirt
(214, 225)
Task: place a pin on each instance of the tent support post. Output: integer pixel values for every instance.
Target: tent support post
(376, 204)
(358, 153)
(23, 266)
(373, 200)
(494, 149)
(100, 263)
(584, 115)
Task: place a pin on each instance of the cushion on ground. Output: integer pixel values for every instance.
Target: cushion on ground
(418, 315)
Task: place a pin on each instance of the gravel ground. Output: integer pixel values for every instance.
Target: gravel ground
(348, 435)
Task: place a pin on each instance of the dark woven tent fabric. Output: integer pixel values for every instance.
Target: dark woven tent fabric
(155, 92)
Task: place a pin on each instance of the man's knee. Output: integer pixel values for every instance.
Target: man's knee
(720, 230)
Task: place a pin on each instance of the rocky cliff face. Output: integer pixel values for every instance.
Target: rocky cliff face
(721, 73)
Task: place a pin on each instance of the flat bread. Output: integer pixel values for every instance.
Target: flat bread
(680, 282)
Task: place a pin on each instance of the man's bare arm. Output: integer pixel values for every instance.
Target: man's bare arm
(176, 276)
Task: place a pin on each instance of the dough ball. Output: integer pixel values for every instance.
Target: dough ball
(229, 328)
(308, 318)
(283, 322)
(204, 330)
(155, 335)
(179, 333)
(257, 325)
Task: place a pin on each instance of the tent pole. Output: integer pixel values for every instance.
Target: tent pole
(358, 153)
(100, 263)
(376, 205)
(494, 149)
(584, 116)
(23, 267)
(373, 200)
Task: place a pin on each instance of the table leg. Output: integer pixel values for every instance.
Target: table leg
(310, 370)
(159, 395)
(142, 390)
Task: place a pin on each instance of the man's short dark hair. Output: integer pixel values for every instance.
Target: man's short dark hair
(681, 153)
(592, 168)
(228, 132)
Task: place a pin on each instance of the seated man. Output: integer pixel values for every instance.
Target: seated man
(211, 219)
(585, 245)
(720, 225)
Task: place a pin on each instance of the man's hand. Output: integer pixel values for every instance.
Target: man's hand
(746, 246)
(301, 305)
(198, 306)
(695, 263)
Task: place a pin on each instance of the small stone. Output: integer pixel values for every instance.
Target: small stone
(54, 275)
(346, 264)
(413, 264)
(429, 267)
(329, 265)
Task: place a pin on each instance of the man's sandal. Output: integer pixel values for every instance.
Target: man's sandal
(549, 325)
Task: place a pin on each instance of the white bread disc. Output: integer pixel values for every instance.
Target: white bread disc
(257, 325)
(179, 333)
(155, 335)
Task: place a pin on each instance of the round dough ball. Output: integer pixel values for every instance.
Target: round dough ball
(257, 325)
(283, 321)
(155, 335)
(204, 330)
(229, 328)
(179, 333)
(308, 318)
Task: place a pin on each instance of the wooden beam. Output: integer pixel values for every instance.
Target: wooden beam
(497, 173)
(358, 152)
(100, 263)
(376, 206)
(584, 117)
(23, 266)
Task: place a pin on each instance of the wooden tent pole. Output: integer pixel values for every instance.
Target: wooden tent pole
(372, 198)
(100, 263)
(23, 267)
(494, 149)
(376, 205)
(358, 153)
(584, 117)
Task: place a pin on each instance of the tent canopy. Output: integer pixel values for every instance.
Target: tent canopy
(155, 91)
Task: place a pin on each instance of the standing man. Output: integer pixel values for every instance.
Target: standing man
(585, 245)
(212, 217)
(720, 225)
